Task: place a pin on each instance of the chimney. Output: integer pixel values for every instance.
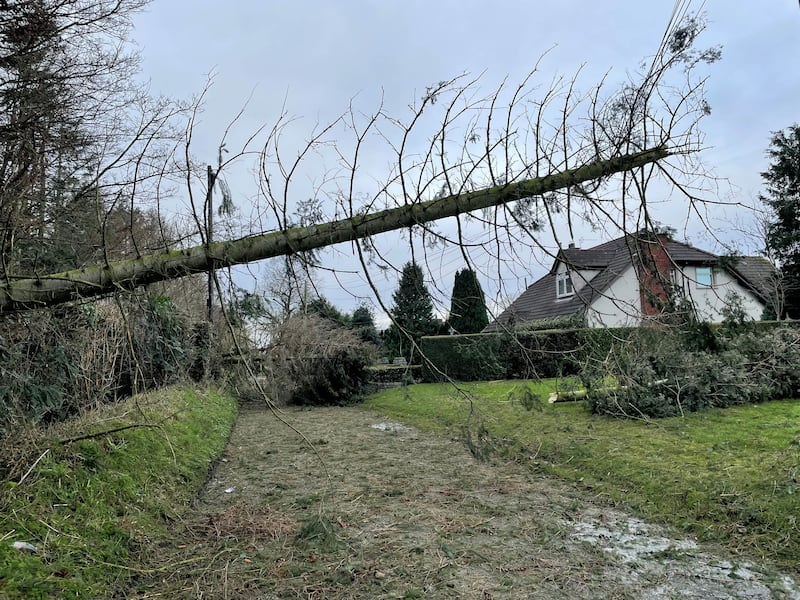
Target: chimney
(654, 274)
(572, 245)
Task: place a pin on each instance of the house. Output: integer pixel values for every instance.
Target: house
(631, 280)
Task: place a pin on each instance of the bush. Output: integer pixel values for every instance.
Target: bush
(389, 374)
(54, 363)
(161, 343)
(39, 366)
(469, 357)
(201, 344)
(669, 379)
(521, 355)
(312, 361)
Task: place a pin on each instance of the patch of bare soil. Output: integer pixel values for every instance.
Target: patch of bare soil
(397, 513)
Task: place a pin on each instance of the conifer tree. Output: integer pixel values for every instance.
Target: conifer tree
(322, 306)
(467, 305)
(782, 181)
(363, 323)
(412, 313)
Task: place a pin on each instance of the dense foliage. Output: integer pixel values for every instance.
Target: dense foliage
(313, 361)
(636, 372)
(412, 314)
(363, 323)
(322, 307)
(66, 66)
(54, 363)
(782, 180)
(467, 304)
(670, 378)
(84, 148)
(478, 357)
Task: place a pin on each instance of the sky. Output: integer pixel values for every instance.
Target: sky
(313, 59)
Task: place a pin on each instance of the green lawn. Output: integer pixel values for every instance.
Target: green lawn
(730, 475)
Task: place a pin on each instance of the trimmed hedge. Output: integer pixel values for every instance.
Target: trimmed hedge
(488, 356)
(394, 373)
(548, 353)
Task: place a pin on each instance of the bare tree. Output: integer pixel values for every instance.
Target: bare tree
(498, 171)
(82, 142)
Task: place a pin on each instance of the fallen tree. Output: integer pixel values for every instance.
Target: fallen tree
(48, 290)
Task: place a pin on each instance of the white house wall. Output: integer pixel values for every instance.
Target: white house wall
(710, 302)
(580, 278)
(620, 305)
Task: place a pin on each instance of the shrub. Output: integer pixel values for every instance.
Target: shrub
(670, 378)
(201, 345)
(520, 355)
(390, 374)
(313, 361)
(469, 357)
(161, 342)
(39, 367)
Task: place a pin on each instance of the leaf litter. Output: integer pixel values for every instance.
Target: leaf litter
(407, 514)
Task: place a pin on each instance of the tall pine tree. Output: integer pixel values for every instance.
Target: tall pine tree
(467, 305)
(782, 181)
(412, 313)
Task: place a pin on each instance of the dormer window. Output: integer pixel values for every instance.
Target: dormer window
(704, 276)
(563, 285)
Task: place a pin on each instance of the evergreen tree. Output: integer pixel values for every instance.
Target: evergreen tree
(467, 305)
(412, 313)
(782, 181)
(39, 134)
(363, 323)
(68, 102)
(322, 306)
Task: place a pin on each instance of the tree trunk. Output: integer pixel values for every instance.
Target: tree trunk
(48, 290)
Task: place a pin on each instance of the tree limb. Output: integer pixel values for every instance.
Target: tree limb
(49, 290)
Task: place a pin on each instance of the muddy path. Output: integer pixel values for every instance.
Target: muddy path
(404, 514)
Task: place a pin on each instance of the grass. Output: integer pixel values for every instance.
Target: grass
(380, 519)
(93, 506)
(729, 475)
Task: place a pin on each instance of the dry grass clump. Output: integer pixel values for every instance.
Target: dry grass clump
(245, 522)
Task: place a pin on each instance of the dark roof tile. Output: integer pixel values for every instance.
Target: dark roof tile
(756, 271)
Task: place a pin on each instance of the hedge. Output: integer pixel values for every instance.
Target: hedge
(386, 374)
(553, 353)
(488, 356)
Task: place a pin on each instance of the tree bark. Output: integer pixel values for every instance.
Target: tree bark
(48, 290)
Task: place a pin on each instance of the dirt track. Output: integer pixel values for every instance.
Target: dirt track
(403, 514)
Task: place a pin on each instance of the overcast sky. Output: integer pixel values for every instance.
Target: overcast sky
(314, 57)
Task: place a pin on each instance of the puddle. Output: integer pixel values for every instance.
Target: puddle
(682, 570)
(390, 426)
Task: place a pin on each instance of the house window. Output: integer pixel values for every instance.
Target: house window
(563, 284)
(704, 276)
